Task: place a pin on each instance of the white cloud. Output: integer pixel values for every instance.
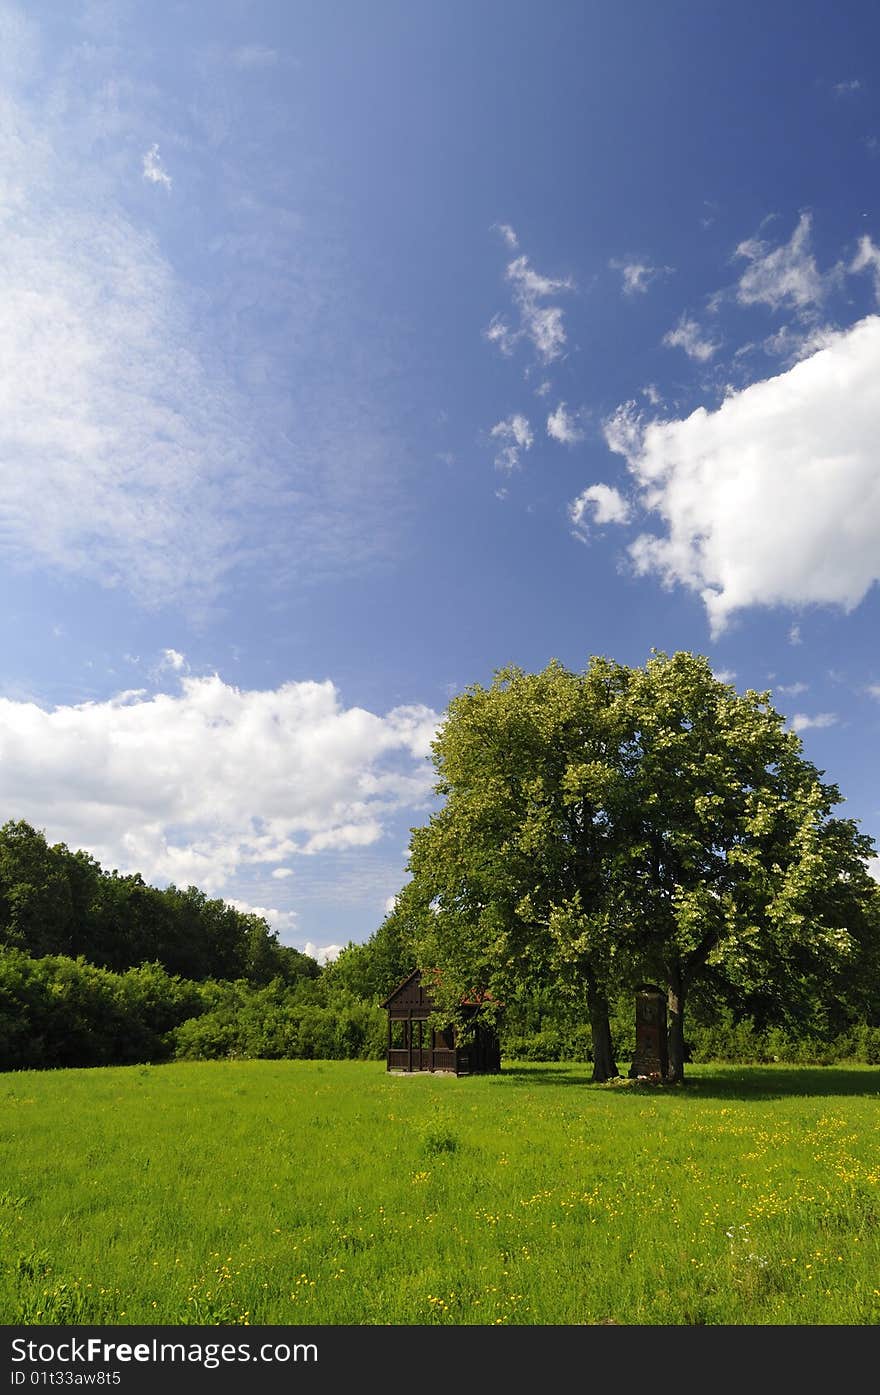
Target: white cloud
(324, 954)
(120, 455)
(254, 57)
(725, 675)
(846, 89)
(874, 868)
(607, 506)
(794, 635)
(508, 234)
(868, 259)
(153, 170)
(874, 690)
(801, 722)
(153, 438)
(195, 787)
(652, 392)
(687, 335)
(515, 435)
(624, 429)
(636, 275)
(540, 323)
(281, 873)
(792, 689)
(172, 659)
(786, 275)
(499, 332)
(282, 921)
(563, 427)
(774, 498)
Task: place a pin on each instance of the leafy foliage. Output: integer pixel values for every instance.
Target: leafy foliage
(619, 825)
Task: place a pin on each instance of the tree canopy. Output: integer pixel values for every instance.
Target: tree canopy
(621, 824)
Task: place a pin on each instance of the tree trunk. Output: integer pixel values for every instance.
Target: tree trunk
(675, 1007)
(604, 1064)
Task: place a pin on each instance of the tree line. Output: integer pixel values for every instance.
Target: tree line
(97, 968)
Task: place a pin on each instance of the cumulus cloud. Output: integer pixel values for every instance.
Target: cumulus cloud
(687, 335)
(540, 323)
(563, 427)
(606, 504)
(154, 172)
(195, 786)
(172, 659)
(773, 499)
(514, 435)
(781, 276)
(282, 921)
(802, 722)
(324, 954)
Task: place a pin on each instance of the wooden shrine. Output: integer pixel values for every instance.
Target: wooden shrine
(414, 1045)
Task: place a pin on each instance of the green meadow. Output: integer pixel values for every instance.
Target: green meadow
(304, 1192)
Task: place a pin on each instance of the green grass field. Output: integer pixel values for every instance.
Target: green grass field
(302, 1192)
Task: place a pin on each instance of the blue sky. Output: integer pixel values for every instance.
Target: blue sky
(351, 352)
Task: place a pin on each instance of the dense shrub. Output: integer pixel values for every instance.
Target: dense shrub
(57, 1011)
(549, 1044)
(275, 1023)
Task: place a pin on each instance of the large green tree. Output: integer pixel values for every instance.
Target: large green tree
(730, 861)
(519, 852)
(604, 827)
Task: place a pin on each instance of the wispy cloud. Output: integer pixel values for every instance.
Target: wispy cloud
(868, 259)
(507, 232)
(637, 276)
(254, 57)
(786, 275)
(538, 322)
(154, 172)
(792, 689)
(159, 440)
(689, 336)
(514, 435)
(802, 722)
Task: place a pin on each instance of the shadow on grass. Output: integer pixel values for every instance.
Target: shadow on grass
(713, 1082)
